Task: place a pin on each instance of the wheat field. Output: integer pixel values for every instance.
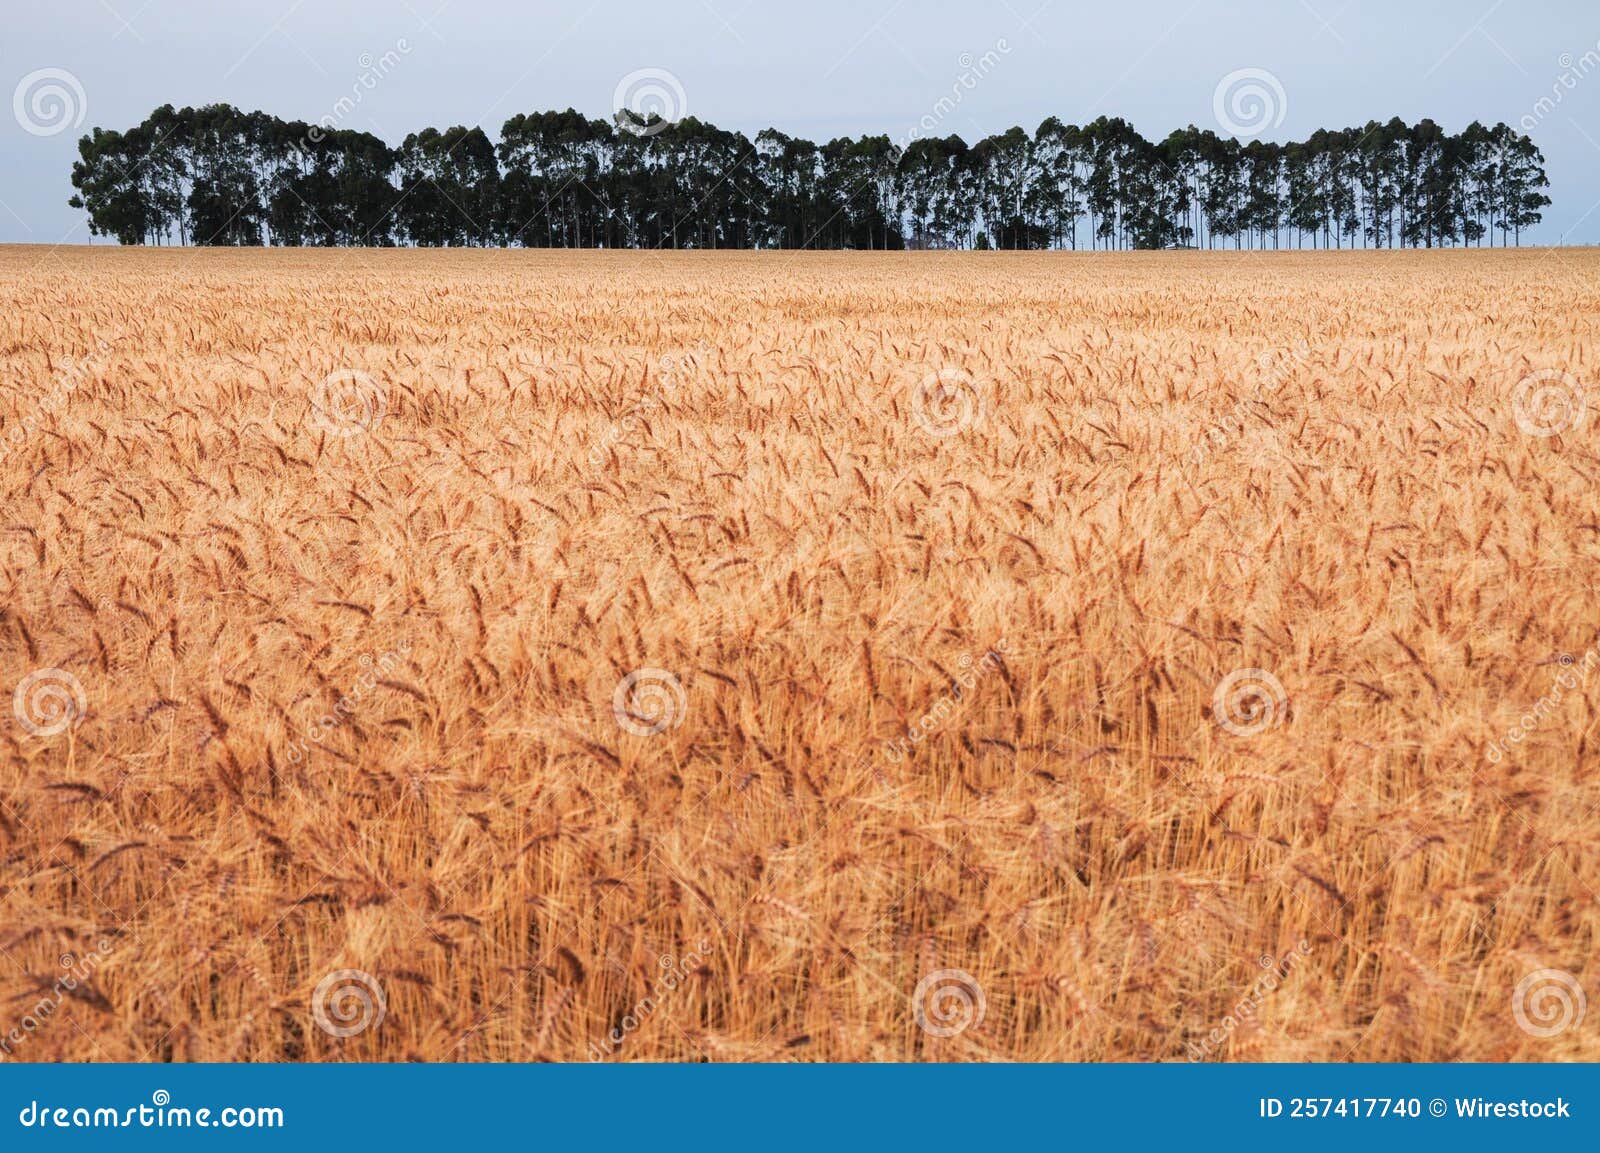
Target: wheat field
(504, 656)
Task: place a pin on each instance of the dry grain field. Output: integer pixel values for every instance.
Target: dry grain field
(513, 656)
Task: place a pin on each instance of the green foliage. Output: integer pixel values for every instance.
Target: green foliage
(215, 175)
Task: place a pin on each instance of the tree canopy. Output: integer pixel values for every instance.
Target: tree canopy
(217, 175)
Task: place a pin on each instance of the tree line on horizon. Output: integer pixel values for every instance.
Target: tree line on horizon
(219, 176)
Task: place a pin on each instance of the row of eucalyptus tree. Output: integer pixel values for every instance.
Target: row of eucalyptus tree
(216, 175)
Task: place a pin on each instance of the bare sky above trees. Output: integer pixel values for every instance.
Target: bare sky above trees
(826, 68)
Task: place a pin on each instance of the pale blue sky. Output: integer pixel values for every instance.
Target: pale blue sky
(817, 69)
